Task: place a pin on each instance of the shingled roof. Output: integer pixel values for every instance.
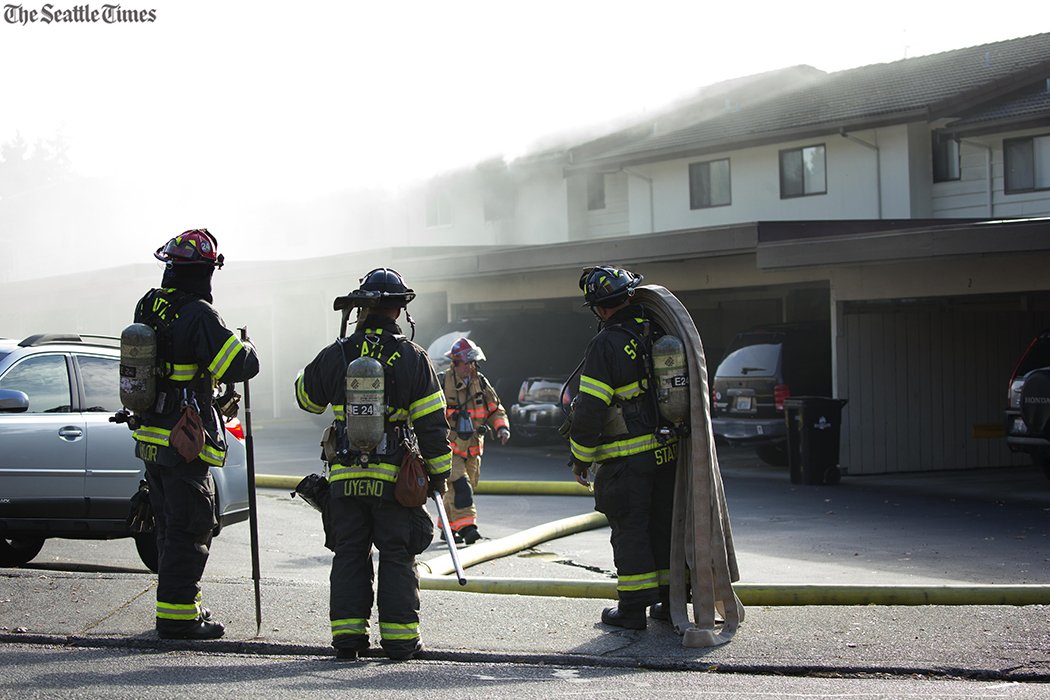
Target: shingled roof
(979, 82)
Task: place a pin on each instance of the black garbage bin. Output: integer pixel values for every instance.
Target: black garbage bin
(813, 432)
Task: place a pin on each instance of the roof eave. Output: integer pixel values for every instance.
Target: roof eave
(750, 141)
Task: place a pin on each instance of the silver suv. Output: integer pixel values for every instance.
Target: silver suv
(66, 470)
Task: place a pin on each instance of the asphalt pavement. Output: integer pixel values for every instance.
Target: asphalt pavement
(113, 608)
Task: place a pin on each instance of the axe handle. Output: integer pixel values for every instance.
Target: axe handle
(253, 513)
(449, 541)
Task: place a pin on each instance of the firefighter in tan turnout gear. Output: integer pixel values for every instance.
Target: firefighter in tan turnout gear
(386, 398)
(473, 409)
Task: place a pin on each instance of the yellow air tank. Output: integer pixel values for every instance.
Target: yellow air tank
(365, 404)
(672, 379)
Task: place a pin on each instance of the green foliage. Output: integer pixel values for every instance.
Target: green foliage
(24, 170)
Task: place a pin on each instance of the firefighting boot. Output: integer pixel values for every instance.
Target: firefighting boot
(660, 611)
(631, 617)
(456, 537)
(399, 654)
(470, 534)
(193, 629)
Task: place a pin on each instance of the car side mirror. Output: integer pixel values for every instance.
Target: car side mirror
(13, 401)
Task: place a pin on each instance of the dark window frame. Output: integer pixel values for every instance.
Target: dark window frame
(785, 192)
(700, 190)
(1024, 148)
(947, 158)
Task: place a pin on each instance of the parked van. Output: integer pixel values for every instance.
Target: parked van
(762, 367)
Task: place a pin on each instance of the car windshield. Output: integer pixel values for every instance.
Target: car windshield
(542, 391)
(757, 359)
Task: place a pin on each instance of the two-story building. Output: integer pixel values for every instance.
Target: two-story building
(904, 202)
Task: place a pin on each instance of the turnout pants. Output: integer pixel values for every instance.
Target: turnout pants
(637, 497)
(354, 524)
(183, 501)
(459, 496)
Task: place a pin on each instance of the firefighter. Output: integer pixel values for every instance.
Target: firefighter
(615, 425)
(361, 509)
(473, 409)
(194, 352)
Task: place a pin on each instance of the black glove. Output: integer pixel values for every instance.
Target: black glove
(229, 402)
(437, 484)
(140, 519)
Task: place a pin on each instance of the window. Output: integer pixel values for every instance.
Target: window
(45, 379)
(946, 163)
(709, 184)
(1027, 164)
(99, 376)
(803, 172)
(439, 211)
(595, 191)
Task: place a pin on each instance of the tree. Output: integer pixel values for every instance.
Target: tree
(24, 170)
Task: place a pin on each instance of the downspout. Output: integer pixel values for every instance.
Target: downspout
(988, 173)
(652, 222)
(878, 162)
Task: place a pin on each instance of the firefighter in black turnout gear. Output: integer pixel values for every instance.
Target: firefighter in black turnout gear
(194, 353)
(616, 430)
(361, 509)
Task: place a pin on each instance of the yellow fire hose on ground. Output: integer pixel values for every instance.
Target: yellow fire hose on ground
(435, 573)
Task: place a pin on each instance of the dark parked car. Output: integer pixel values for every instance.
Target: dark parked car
(518, 347)
(762, 367)
(538, 413)
(1028, 403)
(65, 469)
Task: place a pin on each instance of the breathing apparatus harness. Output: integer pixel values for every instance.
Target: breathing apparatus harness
(641, 412)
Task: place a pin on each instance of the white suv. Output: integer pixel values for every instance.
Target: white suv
(66, 470)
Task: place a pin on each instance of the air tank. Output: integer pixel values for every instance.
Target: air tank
(365, 404)
(672, 379)
(138, 367)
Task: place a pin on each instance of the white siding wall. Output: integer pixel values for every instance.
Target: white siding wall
(540, 210)
(968, 197)
(852, 191)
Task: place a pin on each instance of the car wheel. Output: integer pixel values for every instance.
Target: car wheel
(772, 454)
(832, 476)
(146, 544)
(18, 551)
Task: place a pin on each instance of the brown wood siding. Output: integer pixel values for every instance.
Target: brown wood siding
(918, 381)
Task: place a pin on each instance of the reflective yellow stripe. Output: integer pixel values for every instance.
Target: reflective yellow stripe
(182, 373)
(663, 576)
(380, 471)
(426, 405)
(340, 412)
(350, 625)
(597, 389)
(212, 456)
(630, 391)
(303, 398)
(152, 435)
(395, 415)
(636, 582)
(582, 452)
(225, 356)
(439, 465)
(630, 446)
(396, 630)
(178, 611)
